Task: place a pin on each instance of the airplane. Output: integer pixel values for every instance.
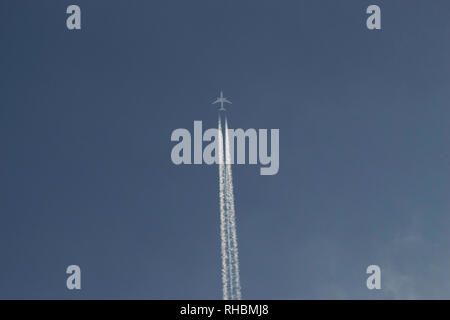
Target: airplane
(221, 100)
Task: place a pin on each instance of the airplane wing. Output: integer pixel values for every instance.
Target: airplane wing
(225, 100)
(217, 101)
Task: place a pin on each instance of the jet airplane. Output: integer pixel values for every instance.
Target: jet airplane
(221, 100)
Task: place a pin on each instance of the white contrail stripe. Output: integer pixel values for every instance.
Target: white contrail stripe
(229, 200)
(229, 246)
(223, 222)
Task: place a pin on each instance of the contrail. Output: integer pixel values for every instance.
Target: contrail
(230, 258)
(223, 220)
(235, 279)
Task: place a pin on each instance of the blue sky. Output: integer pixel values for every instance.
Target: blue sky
(85, 170)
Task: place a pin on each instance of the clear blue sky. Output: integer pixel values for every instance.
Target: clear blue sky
(85, 170)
